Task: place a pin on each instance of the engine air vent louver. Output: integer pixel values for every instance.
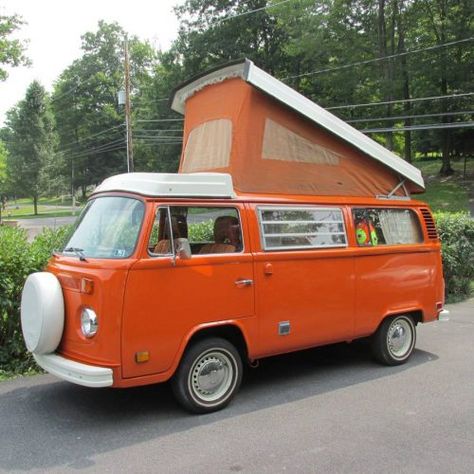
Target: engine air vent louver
(429, 224)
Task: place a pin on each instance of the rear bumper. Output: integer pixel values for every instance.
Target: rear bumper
(75, 372)
(443, 315)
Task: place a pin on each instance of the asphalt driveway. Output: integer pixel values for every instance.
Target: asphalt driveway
(325, 410)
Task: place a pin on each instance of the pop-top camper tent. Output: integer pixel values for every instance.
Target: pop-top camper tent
(240, 120)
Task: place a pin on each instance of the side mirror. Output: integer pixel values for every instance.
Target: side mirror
(183, 249)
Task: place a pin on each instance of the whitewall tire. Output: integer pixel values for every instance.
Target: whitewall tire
(395, 339)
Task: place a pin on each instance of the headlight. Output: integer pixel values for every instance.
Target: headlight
(89, 323)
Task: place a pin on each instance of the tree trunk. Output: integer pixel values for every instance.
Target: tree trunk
(406, 84)
(385, 66)
(35, 205)
(446, 169)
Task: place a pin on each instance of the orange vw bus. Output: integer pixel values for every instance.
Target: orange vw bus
(188, 276)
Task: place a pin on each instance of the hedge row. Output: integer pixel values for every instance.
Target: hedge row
(456, 231)
(19, 258)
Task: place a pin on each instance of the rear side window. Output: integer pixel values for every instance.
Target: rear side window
(285, 228)
(386, 227)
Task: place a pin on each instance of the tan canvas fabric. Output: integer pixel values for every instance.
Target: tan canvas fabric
(208, 146)
(280, 143)
(296, 157)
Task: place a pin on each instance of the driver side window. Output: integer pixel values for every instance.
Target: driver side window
(160, 239)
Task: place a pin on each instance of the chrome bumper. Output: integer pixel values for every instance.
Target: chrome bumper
(75, 372)
(443, 315)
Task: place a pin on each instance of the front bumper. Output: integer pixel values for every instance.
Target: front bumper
(75, 372)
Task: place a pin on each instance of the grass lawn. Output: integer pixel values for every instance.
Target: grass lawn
(446, 194)
(42, 213)
(47, 207)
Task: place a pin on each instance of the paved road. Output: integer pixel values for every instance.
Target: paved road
(35, 226)
(325, 410)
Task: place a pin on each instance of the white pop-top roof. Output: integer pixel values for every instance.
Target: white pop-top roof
(250, 73)
(214, 185)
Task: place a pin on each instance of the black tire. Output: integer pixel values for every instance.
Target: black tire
(208, 376)
(394, 341)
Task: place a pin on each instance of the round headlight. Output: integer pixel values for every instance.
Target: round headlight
(89, 322)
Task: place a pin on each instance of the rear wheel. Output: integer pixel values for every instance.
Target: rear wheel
(394, 341)
(208, 376)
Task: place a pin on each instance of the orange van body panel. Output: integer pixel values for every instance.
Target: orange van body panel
(155, 305)
(109, 279)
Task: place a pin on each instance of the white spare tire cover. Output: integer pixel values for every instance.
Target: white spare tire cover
(42, 313)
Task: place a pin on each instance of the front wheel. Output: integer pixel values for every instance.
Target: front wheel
(394, 341)
(209, 376)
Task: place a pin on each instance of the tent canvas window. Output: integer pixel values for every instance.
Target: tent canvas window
(280, 143)
(208, 146)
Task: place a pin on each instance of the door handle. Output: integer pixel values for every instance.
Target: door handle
(243, 283)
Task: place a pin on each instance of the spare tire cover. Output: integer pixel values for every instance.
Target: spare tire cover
(42, 313)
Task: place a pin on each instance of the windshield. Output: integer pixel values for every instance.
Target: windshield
(107, 228)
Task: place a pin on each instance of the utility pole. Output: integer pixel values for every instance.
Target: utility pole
(128, 123)
(73, 194)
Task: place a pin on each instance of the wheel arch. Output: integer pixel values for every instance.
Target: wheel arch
(229, 330)
(416, 314)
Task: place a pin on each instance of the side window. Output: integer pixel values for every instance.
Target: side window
(200, 230)
(386, 227)
(301, 227)
(160, 238)
(214, 230)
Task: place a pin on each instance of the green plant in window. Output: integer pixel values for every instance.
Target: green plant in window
(201, 231)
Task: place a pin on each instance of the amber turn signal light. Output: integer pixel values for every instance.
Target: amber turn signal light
(142, 357)
(87, 286)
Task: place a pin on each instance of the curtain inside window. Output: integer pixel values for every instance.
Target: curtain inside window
(399, 226)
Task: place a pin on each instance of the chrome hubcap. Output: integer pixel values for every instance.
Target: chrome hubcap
(211, 376)
(399, 338)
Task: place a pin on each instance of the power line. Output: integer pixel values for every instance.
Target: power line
(92, 136)
(97, 152)
(403, 117)
(158, 139)
(431, 126)
(419, 99)
(170, 139)
(72, 89)
(238, 15)
(383, 58)
(161, 120)
(167, 137)
(78, 148)
(153, 130)
(99, 147)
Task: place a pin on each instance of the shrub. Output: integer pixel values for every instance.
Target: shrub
(201, 232)
(456, 231)
(19, 258)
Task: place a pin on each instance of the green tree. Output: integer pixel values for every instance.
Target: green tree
(89, 123)
(12, 51)
(3, 177)
(30, 142)
(217, 32)
(450, 70)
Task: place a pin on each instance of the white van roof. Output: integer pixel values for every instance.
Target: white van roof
(214, 185)
(263, 81)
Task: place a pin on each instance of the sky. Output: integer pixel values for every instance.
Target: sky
(54, 29)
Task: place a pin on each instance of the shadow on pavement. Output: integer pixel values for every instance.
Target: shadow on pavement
(46, 425)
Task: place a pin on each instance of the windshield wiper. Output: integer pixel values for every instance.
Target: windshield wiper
(78, 252)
